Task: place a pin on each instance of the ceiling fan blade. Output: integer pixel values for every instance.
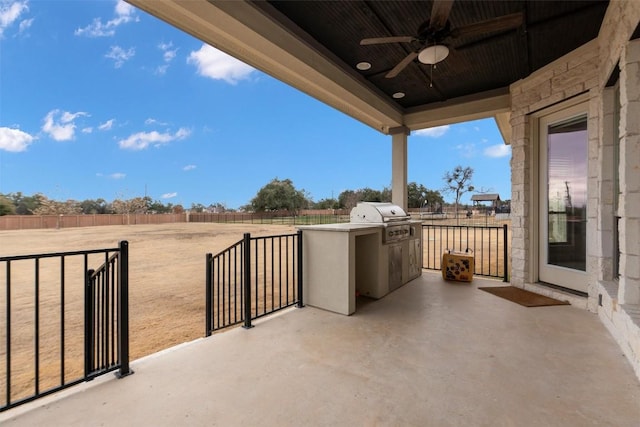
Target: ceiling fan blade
(440, 14)
(402, 65)
(501, 23)
(382, 40)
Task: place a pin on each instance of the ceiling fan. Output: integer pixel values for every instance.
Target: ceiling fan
(428, 44)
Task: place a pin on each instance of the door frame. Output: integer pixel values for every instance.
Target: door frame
(539, 199)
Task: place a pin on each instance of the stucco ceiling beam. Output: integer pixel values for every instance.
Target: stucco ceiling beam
(475, 107)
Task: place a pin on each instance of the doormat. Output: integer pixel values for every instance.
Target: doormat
(522, 297)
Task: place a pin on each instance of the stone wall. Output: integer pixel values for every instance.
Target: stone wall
(619, 307)
(613, 111)
(573, 75)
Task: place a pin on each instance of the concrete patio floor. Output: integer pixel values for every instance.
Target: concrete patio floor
(432, 353)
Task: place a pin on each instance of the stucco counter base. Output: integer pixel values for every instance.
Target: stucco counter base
(330, 262)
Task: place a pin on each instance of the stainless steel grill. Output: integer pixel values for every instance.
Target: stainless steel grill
(392, 217)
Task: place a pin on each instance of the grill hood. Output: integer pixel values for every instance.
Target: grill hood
(377, 213)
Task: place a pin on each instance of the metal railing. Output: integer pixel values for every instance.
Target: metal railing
(64, 322)
(252, 278)
(489, 246)
(275, 217)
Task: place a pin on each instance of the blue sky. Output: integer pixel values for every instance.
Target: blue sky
(101, 100)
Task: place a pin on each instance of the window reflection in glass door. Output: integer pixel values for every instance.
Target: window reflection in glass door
(567, 193)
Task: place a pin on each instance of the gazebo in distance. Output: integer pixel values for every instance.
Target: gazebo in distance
(478, 199)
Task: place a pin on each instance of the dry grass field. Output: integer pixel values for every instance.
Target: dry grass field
(166, 290)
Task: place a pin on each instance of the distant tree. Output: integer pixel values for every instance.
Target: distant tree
(435, 201)
(217, 208)
(348, 199)
(6, 206)
(98, 206)
(419, 196)
(279, 195)
(370, 195)
(54, 207)
(157, 207)
(327, 204)
(25, 205)
(385, 194)
(197, 207)
(458, 182)
(178, 209)
(130, 206)
(415, 195)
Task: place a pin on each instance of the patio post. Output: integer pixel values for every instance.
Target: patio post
(505, 253)
(123, 310)
(300, 287)
(246, 280)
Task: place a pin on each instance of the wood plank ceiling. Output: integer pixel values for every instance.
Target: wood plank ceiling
(477, 63)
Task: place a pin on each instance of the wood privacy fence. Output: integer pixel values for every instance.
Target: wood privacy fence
(22, 222)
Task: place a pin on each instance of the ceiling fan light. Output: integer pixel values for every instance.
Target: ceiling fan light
(398, 95)
(433, 54)
(363, 66)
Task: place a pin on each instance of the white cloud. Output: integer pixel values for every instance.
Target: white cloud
(466, 150)
(434, 132)
(68, 117)
(498, 150)
(25, 25)
(124, 13)
(182, 133)
(60, 125)
(14, 140)
(142, 140)
(106, 125)
(169, 195)
(124, 9)
(87, 130)
(189, 167)
(119, 55)
(10, 12)
(115, 175)
(168, 54)
(151, 121)
(217, 65)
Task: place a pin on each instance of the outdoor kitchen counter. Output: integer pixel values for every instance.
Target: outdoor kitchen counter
(338, 259)
(344, 226)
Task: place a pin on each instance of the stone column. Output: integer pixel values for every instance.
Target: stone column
(629, 197)
(521, 254)
(601, 190)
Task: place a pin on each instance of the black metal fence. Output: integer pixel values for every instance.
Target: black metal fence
(489, 246)
(275, 217)
(65, 323)
(252, 278)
